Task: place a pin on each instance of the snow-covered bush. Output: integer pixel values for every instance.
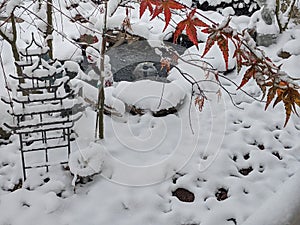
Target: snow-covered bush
(86, 162)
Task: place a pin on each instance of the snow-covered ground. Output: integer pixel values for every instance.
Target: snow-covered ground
(238, 163)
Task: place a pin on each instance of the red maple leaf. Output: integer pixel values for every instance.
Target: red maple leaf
(189, 24)
(222, 42)
(212, 38)
(220, 35)
(223, 45)
(270, 96)
(247, 76)
(166, 6)
(144, 5)
(240, 55)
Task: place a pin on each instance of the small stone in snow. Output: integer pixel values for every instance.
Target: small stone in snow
(246, 171)
(221, 194)
(184, 195)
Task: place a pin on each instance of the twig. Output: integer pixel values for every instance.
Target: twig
(161, 96)
(242, 90)
(86, 27)
(190, 116)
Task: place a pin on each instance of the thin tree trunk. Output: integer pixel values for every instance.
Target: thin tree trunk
(49, 28)
(14, 47)
(14, 51)
(277, 15)
(16, 55)
(101, 93)
(290, 14)
(13, 44)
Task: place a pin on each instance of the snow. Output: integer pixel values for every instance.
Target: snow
(228, 11)
(292, 47)
(5, 117)
(71, 66)
(212, 57)
(68, 104)
(151, 95)
(113, 102)
(290, 67)
(112, 6)
(285, 210)
(11, 5)
(35, 71)
(143, 159)
(215, 2)
(86, 162)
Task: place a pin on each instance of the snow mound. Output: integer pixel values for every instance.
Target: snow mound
(86, 162)
(292, 47)
(117, 105)
(150, 95)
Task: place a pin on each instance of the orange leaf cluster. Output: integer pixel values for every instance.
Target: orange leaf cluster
(289, 96)
(126, 23)
(165, 63)
(199, 101)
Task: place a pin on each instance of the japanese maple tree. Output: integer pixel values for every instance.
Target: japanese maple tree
(273, 82)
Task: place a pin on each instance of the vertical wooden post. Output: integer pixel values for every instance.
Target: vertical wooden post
(14, 47)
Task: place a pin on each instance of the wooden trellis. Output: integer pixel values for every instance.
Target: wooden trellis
(42, 108)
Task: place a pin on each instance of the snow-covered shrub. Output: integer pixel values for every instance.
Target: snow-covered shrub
(86, 162)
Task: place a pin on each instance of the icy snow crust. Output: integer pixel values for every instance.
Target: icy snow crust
(145, 158)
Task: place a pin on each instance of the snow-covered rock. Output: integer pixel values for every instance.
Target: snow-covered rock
(150, 95)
